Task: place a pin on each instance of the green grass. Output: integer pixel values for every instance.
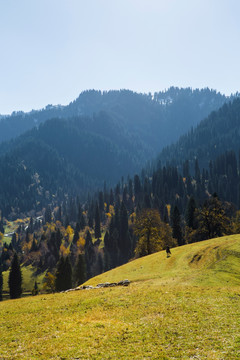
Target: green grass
(183, 307)
(12, 227)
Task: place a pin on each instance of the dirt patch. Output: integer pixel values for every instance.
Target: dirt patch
(196, 258)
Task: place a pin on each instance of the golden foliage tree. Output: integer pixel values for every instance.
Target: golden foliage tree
(49, 282)
(153, 234)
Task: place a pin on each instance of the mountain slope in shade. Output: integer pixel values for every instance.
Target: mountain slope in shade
(156, 120)
(218, 133)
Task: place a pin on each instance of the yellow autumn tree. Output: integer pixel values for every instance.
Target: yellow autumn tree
(153, 234)
(49, 282)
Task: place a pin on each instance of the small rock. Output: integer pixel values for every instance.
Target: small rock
(124, 282)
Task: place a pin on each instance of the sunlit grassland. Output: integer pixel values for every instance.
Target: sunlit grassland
(183, 307)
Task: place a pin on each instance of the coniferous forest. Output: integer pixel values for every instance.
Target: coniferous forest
(93, 200)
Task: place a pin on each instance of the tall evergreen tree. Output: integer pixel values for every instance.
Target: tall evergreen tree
(190, 212)
(80, 270)
(89, 254)
(176, 226)
(59, 281)
(15, 279)
(63, 274)
(124, 241)
(68, 274)
(48, 215)
(1, 282)
(97, 227)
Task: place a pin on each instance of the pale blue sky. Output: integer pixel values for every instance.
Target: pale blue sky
(51, 50)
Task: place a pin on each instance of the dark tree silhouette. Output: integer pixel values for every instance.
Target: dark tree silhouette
(15, 279)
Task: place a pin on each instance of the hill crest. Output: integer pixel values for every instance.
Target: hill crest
(213, 262)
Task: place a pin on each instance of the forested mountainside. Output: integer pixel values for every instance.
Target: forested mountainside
(139, 216)
(219, 132)
(111, 226)
(65, 157)
(61, 157)
(156, 120)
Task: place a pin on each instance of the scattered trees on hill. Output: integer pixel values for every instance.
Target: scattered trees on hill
(139, 216)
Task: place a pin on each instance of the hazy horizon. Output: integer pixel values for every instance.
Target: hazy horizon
(52, 51)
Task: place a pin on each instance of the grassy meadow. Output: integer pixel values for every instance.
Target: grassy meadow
(182, 307)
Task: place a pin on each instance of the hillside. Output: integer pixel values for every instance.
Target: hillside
(206, 263)
(73, 153)
(182, 307)
(218, 133)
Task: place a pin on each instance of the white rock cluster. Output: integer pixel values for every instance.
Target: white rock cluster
(103, 285)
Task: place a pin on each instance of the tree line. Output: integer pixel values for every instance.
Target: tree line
(166, 207)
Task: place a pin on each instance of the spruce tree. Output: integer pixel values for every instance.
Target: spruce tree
(176, 226)
(67, 274)
(190, 212)
(59, 281)
(80, 270)
(90, 257)
(107, 250)
(124, 241)
(63, 274)
(48, 215)
(97, 223)
(15, 279)
(1, 282)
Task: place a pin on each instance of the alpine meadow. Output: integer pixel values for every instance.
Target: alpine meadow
(120, 206)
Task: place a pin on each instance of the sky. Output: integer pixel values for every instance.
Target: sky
(52, 50)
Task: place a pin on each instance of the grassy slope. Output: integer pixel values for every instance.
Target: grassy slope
(184, 307)
(210, 262)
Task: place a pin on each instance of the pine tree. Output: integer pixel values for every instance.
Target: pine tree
(15, 279)
(48, 215)
(97, 223)
(124, 241)
(1, 227)
(68, 274)
(59, 214)
(75, 236)
(80, 270)
(63, 274)
(82, 222)
(1, 282)
(190, 212)
(89, 254)
(107, 258)
(59, 274)
(176, 226)
(30, 227)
